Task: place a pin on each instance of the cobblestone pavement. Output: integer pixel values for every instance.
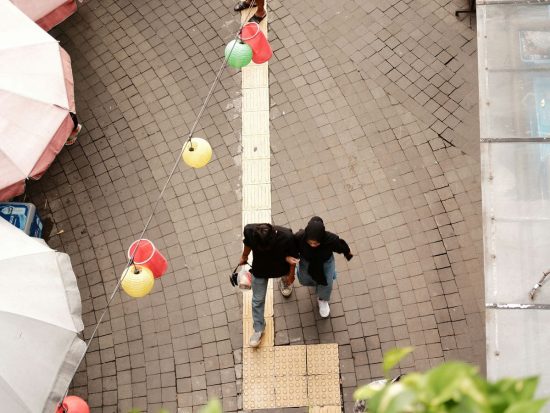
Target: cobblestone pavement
(374, 128)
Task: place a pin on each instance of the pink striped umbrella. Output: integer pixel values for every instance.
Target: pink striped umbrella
(46, 13)
(36, 96)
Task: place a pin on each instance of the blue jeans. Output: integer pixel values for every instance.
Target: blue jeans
(259, 290)
(322, 291)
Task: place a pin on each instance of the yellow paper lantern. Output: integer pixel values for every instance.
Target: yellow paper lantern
(197, 153)
(137, 281)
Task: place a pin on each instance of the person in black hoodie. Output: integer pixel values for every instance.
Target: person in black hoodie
(317, 267)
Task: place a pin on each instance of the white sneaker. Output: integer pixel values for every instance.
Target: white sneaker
(255, 339)
(324, 308)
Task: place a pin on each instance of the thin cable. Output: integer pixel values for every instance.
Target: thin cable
(161, 194)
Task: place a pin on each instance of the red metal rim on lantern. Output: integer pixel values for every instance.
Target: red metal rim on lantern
(253, 35)
(144, 242)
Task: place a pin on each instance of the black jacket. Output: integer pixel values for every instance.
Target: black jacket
(329, 243)
(271, 263)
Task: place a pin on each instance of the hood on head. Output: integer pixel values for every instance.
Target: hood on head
(315, 230)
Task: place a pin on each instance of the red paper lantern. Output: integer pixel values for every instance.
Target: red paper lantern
(73, 404)
(148, 256)
(254, 37)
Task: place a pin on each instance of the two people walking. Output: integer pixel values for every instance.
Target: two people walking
(277, 252)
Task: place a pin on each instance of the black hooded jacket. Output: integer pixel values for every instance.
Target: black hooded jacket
(316, 257)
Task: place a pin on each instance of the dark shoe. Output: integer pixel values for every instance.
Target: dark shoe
(257, 19)
(242, 5)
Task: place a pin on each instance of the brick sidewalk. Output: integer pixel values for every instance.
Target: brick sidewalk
(390, 168)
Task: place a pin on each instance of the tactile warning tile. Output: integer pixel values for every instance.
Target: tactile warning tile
(323, 390)
(325, 409)
(247, 302)
(322, 359)
(255, 123)
(267, 338)
(256, 171)
(290, 361)
(258, 362)
(254, 76)
(255, 99)
(256, 196)
(291, 391)
(255, 147)
(258, 392)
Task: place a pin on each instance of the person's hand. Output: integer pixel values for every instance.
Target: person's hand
(292, 260)
(243, 260)
(349, 256)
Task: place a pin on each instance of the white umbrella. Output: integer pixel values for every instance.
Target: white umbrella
(36, 96)
(46, 13)
(40, 317)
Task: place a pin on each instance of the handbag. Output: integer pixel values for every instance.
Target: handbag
(242, 278)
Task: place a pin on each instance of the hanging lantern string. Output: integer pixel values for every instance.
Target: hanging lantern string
(161, 194)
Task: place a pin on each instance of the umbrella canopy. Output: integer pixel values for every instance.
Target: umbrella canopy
(36, 95)
(40, 312)
(46, 13)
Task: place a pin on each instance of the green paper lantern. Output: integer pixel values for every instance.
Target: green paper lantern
(238, 54)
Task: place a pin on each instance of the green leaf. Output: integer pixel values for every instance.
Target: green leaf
(369, 390)
(526, 406)
(213, 406)
(135, 410)
(163, 411)
(394, 356)
(395, 398)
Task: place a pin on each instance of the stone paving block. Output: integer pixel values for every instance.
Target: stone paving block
(322, 359)
(290, 360)
(258, 392)
(323, 390)
(291, 391)
(258, 362)
(268, 337)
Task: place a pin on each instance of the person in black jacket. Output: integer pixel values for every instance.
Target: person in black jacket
(316, 267)
(275, 256)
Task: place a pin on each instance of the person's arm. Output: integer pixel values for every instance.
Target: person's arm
(340, 246)
(244, 256)
(247, 241)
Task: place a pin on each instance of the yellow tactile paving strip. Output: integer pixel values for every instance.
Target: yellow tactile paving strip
(286, 376)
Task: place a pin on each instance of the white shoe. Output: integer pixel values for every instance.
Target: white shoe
(324, 308)
(255, 339)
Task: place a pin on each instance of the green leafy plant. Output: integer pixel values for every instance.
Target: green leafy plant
(451, 387)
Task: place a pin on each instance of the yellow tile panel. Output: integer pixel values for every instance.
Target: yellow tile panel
(322, 359)
(258, 362)
(258, 392)
(290, 361)
(291, 391)
(325, 409)
(323, 390)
